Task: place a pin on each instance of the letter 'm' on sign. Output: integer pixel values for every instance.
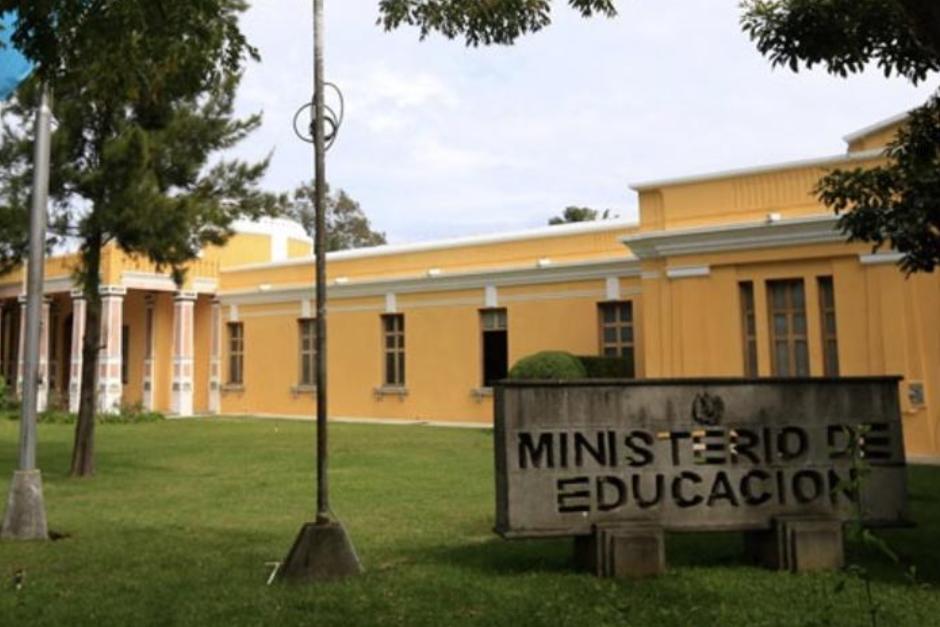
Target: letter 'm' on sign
(530, 453)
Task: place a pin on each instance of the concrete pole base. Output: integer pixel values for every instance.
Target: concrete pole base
(322, 551)
(25, 517)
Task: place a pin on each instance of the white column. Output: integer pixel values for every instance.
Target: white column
(110, 387)
(149, 354)
(182, 391)
(21, 352)
(42, 389)
(75, 359)
(215, 360)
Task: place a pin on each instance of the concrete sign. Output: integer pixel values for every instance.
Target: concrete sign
(692, 455)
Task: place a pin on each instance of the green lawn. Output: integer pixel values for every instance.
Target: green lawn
(179, 525)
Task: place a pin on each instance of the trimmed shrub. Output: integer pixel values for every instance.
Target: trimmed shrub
(608, 367)
(549, 366)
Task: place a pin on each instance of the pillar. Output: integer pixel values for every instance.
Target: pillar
(149, 401)
(21, 352)
(75, 359)
(42, 390)
(181, 402)
(110, 387)
(215, 360)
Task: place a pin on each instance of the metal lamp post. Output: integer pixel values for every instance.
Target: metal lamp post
(322, 549)
(25, 517)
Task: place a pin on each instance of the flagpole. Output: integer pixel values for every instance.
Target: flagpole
(322, 549)
(25, 517)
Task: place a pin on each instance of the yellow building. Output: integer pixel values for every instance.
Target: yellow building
(732, 274)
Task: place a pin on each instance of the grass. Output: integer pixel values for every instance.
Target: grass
(179, 524)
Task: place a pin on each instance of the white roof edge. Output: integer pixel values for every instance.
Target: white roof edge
(455, 242)
(874, 128)
(730, 227)
(787, 165)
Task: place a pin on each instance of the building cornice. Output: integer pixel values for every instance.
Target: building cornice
(822, 162)
(626, 266)
(728, 237)
(546, 232)
(876, 127)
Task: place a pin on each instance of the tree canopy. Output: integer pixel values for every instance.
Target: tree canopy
(580, 214)
(347, 225)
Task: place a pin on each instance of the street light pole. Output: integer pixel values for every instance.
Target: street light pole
(25, 517)
(322, 549)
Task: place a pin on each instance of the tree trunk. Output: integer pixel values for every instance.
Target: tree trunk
(83, 452)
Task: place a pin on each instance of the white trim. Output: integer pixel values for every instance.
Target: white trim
(391, 303)
(205, 285)
(233, 313)
(305, 308)
(876, 259)
(613, 288)
(137, 280)
(560, 230)
(626, 266)
(687, 272)
(728, 237)
(874, 128)
(652, 275)
(644, 186)
(490, 296)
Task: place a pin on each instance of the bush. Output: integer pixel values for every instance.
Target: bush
(548, 365)
(608, 367)
(127, 415)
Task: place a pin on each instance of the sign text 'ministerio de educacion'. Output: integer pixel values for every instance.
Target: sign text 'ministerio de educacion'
(696, 455)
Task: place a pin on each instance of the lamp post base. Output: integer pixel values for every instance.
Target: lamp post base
(25, 517)
(322, 551)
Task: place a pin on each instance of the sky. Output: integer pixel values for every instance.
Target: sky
(440, 140)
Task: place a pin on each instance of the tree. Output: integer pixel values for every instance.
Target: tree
(580, 214)
(347, 225)
(144, 98)
(894, 204)
(897, 203)
(487, 23)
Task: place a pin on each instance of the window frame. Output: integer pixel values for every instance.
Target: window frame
(307, 326)
(235, 356)
(825, 285)
(791, 338)
(396, 332)
(619, 345)
(748, 310)
(501, 315)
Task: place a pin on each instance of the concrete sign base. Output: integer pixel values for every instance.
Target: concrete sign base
(25, 517)
(322, 551)
(798, 545)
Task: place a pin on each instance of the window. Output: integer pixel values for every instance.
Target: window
(393, 331)
(616, 332)
(788, 328)
(827, 317)
(308, 351)
(748, 328)
(495, 346)
(236, 353)
(125, 352)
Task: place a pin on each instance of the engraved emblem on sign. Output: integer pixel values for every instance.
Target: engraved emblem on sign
(707, 409)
